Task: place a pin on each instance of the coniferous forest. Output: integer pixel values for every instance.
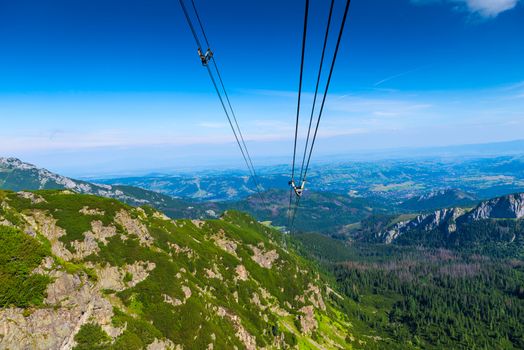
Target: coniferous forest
(429, 297)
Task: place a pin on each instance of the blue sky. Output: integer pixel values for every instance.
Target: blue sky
(94, 86)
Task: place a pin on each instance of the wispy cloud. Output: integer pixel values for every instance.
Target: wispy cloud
(373, 117)
(398, 75)
(379, 106)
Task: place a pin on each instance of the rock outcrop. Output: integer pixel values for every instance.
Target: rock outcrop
(506, 207)
(441, 219)
(448, 221)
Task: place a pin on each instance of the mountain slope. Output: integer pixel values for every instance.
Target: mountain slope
(100, 274)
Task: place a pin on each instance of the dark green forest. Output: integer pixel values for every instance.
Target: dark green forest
(429, 298)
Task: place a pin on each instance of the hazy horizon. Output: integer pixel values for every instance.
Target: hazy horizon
(108, 168)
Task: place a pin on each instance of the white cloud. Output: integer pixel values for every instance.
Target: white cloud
(485, 8)
(490, 8)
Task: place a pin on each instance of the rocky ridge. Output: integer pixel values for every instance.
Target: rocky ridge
(447, 220)
(16, 175)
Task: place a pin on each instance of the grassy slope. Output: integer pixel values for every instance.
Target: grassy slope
(184, 252)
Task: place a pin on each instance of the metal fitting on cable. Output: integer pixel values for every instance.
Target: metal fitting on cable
(299, 190)
(205, 57)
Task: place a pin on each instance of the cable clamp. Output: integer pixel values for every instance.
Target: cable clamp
(299, 190)
(205, 57)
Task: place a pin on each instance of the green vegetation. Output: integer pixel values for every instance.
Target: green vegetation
(20, 254)
(138, 334)
(187, 326)
(92, 337)
(429, 298)
(384, 296)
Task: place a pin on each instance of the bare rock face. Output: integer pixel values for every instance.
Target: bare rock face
(114, 278)
(187, 291)
(264, 258)
(214, 272)
(224, 243)
(71, 302)
(39, 221)
(242, 334)
(88, 246)
(164, 344)
(172, 301)
(308, 323)
(506, 207)
(241, 273)
(91, 212)
(198, 223)
(161, 216)
(134, 227)
(444, 218)
(315, 296)
(34, 198)
(5, 222)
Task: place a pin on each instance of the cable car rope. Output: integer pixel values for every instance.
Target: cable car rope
(316, 88)
(304, 169)
(231, 117)
(304, 36)
(200, 22)
(327, 86)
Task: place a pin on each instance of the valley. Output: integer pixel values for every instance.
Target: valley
(393, 181)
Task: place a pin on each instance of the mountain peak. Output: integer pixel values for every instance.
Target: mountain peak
(15, 163)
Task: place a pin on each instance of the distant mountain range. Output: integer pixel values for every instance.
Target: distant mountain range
(395, 180)
(439, 199)
(320, 211)
(333, 213)
(16, 175)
